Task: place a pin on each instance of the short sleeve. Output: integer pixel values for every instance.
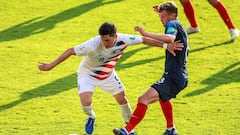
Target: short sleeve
(130, 39)
(171, 28)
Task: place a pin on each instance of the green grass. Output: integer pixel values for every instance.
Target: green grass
(46, 103)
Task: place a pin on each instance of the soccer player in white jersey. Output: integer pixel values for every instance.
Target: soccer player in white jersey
(100, 55)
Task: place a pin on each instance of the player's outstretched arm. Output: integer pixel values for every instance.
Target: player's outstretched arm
(171, 47)
(167, 38)
(44, 66)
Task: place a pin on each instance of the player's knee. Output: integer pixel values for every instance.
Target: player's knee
(121, 98)
(86, 99)
(122, 101)
(143, 100)
(86, 102)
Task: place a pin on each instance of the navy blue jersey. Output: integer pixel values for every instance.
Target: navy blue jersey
(175, 66)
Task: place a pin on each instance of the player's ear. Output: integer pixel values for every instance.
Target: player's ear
(173, 15)
(115, 35)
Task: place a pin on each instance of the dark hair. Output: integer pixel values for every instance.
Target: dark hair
(170, 7)
(107, 29)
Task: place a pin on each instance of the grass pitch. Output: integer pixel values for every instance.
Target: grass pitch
(44, 103)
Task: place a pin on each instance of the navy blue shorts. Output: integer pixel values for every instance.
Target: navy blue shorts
(168, 88)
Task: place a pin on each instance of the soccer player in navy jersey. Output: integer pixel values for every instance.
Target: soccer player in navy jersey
(174, 79)
(100, 55)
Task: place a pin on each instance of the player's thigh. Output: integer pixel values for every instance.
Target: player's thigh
(86, 87)
(150, 96)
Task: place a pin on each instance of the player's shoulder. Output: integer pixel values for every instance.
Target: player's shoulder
(122, 35)
(96, 38)
(173, 23)
(92, 42)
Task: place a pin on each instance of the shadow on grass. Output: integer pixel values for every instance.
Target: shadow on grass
(35, 25)
(212, 80)
(69, 82)
(228, 75)
(128, 54)
(211, 46)
(57, 86)
(140, 62)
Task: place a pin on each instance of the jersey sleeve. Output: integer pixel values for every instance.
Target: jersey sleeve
(171, 28)
(86, 47)
(131, 39)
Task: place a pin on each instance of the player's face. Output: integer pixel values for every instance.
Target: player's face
(165, 17)
(108, 41)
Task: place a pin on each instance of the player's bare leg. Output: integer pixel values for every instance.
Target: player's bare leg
(87, 107)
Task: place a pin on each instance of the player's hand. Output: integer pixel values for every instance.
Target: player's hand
(140, 30)
(43, 66)
(175, 46)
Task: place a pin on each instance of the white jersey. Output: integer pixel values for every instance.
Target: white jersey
(99, 61)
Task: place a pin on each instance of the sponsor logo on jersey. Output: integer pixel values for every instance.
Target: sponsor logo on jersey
(132, 38)
(170, 29)
(120, 43)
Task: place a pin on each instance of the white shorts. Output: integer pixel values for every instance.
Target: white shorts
(112, 84)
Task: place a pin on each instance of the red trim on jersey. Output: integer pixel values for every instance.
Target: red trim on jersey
(100, 78)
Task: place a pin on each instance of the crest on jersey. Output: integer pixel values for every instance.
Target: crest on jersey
(170, 30)
(132, 38)
(120, 43)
